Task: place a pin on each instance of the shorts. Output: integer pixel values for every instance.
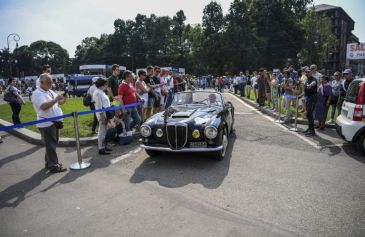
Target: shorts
(162, 100)
(150, 102)
(157, 101)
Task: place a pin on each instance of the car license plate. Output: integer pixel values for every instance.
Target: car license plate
(198, 144)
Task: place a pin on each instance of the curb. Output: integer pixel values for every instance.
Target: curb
(36, 139)
(274, 114)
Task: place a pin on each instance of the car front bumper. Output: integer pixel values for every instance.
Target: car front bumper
(187, 149)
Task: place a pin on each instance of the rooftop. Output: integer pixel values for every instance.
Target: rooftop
(324, 7)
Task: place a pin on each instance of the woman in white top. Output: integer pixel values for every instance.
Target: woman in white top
(142, 90)
(101, 102)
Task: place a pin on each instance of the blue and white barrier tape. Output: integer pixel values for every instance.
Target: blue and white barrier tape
(6, 128)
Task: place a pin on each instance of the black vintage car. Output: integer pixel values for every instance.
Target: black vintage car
(197, 121)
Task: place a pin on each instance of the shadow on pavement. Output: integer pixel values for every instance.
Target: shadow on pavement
(15, 194)
(175, 170)
(17, 156)
(72, 175)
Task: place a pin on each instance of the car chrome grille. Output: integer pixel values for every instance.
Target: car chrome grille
(177, 135)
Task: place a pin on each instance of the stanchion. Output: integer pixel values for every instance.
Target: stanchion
(295, 128)
(279, 111)
(79, 165)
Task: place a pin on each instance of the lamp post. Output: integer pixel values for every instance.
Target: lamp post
(131, 56)
(16, 38)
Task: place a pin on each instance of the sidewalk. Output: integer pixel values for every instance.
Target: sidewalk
(276, 114)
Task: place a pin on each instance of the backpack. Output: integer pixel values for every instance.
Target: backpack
(87, 98)
(9, 96)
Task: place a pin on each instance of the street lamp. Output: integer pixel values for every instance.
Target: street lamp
(16, 38)
(131, 56)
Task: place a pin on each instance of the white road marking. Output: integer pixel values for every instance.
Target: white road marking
(242, 113)
(125, 156)
(278, 124)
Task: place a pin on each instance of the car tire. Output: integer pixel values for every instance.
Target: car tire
(361, 143)
(219, 155)
(153, 153)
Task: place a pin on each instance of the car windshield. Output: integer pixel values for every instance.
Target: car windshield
(197, 98)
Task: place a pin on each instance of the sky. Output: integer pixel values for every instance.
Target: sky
(67, 22)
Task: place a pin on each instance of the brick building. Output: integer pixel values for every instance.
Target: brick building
(342, 27)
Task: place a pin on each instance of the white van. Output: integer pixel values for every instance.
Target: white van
(350, 124)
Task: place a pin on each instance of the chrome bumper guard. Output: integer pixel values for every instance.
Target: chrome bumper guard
(196, 149)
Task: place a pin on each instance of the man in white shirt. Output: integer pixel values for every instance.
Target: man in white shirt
(90, 92)
(46, 104)
(45, 69)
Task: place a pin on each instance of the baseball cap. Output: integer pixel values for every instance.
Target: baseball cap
(94, 79)
(307, 69)
(336, 73)
(347, 71)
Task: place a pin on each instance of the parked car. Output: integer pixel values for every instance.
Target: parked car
(350, 124)
(197, 121)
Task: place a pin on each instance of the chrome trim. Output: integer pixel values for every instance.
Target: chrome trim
(175, 126)
(197, 149)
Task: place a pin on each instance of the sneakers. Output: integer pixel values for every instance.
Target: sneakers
(310, 134)
(330, 121)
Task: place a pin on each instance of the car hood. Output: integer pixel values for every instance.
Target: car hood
(186, 114)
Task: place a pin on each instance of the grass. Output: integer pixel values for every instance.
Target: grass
(292, 108)
(28, 114)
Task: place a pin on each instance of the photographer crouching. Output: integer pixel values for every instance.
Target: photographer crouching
(47, 103)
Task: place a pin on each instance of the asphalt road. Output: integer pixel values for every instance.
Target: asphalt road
(271, 183)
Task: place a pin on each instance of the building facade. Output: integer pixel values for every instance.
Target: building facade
(342, 27)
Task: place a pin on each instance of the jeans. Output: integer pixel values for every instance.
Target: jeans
(15, 108)
(132, 113)
(242, 89)
(333, 106)
(310, 104)
(169, 99)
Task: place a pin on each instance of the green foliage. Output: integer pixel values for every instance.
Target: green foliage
(319, 39)
(28, 114)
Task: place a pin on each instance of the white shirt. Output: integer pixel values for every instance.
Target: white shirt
(91, 92)
(254, 80)
(317, 76)
(40, 97)
(37, 83)
(170, 82)
(101, 101)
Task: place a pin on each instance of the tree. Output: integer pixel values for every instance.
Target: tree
(240, 39)
(319, 39)
(48, 52)
(277, 25)
(212, 43)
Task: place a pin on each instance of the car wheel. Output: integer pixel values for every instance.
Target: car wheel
(219, 155)
(153, 153)
(361, 143)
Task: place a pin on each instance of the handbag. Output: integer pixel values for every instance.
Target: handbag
(87, 100)
(10, 97)
(58, 124)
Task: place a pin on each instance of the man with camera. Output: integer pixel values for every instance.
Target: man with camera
(47, 103)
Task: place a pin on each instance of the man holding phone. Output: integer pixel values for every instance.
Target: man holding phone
(47, 103)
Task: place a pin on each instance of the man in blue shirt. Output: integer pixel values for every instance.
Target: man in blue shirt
(243, 82)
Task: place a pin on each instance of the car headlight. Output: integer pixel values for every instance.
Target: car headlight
(210, 132)
(159, 132)
(145, 130)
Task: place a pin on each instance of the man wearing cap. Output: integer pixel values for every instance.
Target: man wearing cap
(347, 74)
(336, 86)
(310, 93)
(90, 92)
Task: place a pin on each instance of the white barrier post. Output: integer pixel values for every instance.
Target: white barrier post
(279, 111)
(296, 129)
(79, 165)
